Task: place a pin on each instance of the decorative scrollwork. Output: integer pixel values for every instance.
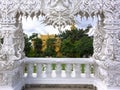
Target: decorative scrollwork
(30, 7)
(8, 10)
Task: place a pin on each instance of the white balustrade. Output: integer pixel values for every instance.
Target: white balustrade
(68, 70)
(78, 70)
(58, 70)
(30, 70)
(87, 71)
(39, 70)
(49, 70)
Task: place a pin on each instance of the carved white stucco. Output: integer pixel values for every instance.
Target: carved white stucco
(60, 13)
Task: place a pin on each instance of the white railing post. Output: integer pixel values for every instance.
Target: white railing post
(39, 70)
(87, 70)
(49, 70)
(77, 70)
(30, 70)
(58, 70)
(68, 70)
(95, 66)
(22, 70)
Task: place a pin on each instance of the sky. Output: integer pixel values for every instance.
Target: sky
(36, 26)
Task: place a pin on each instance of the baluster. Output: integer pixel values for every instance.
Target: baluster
(58, 70)
(68, 70)
(78, 70)
(92, 69)
(49, 70)
(22, 70)
(30, 70)
(96, 70)
(87, 70)
(39, 70)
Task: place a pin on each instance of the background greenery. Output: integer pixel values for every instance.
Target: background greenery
(74, 43)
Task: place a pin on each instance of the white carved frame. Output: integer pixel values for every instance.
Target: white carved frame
(60, 13)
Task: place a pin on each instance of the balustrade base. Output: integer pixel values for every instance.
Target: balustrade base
(60, 81)
(7, 88)
(60, 86)
(18, 86)
(12, 79)
(113, 88)
(100, 85)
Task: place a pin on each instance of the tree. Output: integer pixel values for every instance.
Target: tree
(28, 46)
(67, 49)
(50, 48)
(74, 34)
(76, 43)
(33, 36)
(84, 47)
(37, 47)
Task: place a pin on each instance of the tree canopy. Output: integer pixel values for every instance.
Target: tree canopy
(28, 45)
(37, 47)
(50, 48)
(76, 43)
(73, 43)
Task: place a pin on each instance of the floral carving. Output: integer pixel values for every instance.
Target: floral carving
(98, 44)
(8, 9)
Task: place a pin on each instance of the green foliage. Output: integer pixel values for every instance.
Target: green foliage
(37, 47)
(50, 49)
(76, 43)
(84, 47)
(35, 50)
(28, 46)
(33, 36)
(73, 35)
(67, 48)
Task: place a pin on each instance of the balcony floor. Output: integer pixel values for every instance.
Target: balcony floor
(59, 89)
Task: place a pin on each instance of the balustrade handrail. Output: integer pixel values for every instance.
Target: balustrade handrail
(59, 60)
(59, 70)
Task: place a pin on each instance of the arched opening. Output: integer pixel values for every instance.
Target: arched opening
(36, 25)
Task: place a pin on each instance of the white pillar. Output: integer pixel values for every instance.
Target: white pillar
(11, 51)
(107, 53)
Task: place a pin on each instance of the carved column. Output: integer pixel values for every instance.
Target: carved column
(108, 52)
(12, 45)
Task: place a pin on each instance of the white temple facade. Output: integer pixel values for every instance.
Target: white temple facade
(59, 13)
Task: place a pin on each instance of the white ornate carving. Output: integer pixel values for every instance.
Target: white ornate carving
(60, 13)
(30, 7)
(8, 10)
(109, 64)
(98, 41)
(90, 8)
(111, 9)
(12, 47)
(3, 79)
(11, 32)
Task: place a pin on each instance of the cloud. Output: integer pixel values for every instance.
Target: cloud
(36, 26)
(84, 22)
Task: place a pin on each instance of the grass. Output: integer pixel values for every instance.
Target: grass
(63, 68)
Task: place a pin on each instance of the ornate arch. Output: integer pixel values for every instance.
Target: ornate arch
(60, 13)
